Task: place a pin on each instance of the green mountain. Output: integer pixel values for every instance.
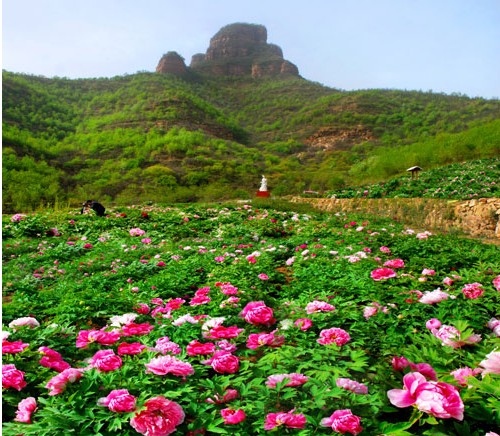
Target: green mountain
(208, 131)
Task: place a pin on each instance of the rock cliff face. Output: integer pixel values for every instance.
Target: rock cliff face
(172, 63)
(235, 50)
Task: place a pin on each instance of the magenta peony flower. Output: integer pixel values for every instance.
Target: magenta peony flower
(118, 400)
(303, 323)
(25, 409)
(13, 347)
(164, 365)
(343, 421)
(263, 276)
(221, 332)
(491, 364)
(195, 348)
(106, 360)
(232, 417)
(473, 290)
(58, 383)
(285, 419)
(12, 377)
(318, 306)
(224, 362)
(142, 309)
(293, 379)
(333, 336)
(438, 399)
(159, 418)
(352, 385)
(130, 349)
(382, 274)
(52, 359)
(257, 313)
(133, 329)
(400, 363)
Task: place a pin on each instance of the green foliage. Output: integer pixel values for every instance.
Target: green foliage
(79, 274)
(214, 137)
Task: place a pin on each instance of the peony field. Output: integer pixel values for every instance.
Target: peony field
(246, 318)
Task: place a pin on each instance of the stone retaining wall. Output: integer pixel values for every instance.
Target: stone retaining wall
(478, 218)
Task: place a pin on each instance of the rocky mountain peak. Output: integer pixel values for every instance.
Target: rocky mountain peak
(238, 49)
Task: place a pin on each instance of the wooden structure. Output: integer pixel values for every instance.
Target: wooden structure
(414, 171)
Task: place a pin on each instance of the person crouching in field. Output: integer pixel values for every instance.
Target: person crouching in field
(98, 208)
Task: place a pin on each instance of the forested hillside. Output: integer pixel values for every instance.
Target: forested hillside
(160, 138)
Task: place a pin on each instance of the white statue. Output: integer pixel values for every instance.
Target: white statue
(263, 184)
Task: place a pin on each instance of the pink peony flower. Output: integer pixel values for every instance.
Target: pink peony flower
(164, 345)
(428, 272)
(232, 417)
(318, 306)
(136, 232)
(118, 400)
(448, 281)
(379, 274)
(293, 379)
(438, 399)
(352, 385)
(385, 250)
(13, 347)
(496, 283)
(433, 323)
(435, 296)
(285, 419)
(473, 290)
(106, 360)
(229, 395)
(25, 408)
(27, 321)
(57, 384)
(17, 217)
(491, 364)
(12, 377)
(395, 263)
(159, 418)
(343, 421)
(257, 313)
(164, 365)
(263, 276)
(195, 348)
(462, 374)
(256, 340)
(303, 323)
(369, 311)
(333, 336)
(450, 336)
(130, 349)
(223, 362)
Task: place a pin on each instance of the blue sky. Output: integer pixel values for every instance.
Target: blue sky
(449, 46)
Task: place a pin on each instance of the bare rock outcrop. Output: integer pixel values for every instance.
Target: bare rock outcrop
(172, 63)
(238, 49)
